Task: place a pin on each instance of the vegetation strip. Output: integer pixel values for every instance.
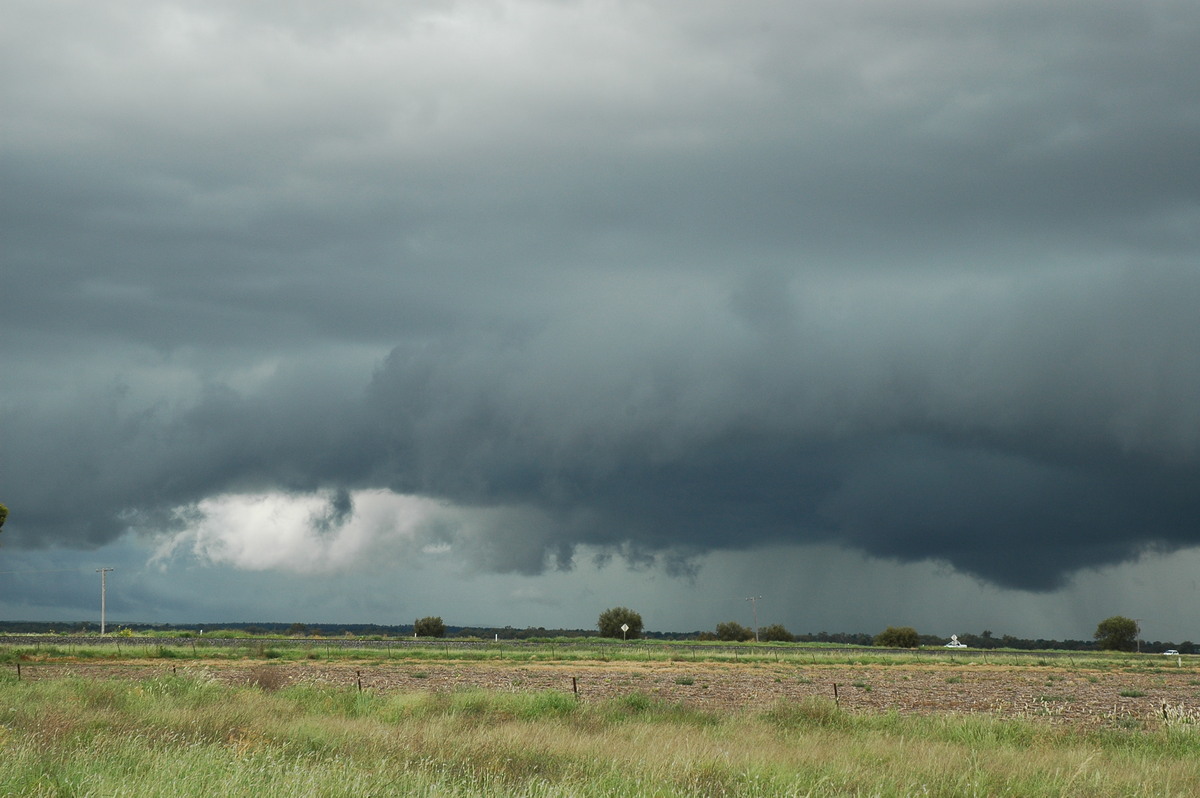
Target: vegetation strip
(189, 734)
(1094, 689)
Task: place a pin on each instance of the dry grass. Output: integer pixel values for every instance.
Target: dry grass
(1060, 694)
(193, 734)
(455, 727)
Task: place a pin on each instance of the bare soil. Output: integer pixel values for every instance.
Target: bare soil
(1060, 694)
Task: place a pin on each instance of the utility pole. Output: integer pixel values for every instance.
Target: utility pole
(754, 604)
(103, 590)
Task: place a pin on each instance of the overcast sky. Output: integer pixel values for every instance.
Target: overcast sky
(510, 312)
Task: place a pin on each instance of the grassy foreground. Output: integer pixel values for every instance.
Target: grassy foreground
(185, 735)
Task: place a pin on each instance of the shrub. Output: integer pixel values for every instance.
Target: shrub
(898, 637)
(611, 621)
(733, 631)
(1117, 633)
(775, 633)
(431, 626)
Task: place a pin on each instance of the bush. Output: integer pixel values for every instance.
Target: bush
(1117, 633)
(775, 633)
(898, 637)
(611, 621)
(733, 631)
(431, 626)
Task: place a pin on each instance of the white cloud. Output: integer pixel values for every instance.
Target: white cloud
(296, 532)
(305, 533)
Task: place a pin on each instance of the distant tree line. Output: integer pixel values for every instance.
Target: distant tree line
(731, 630)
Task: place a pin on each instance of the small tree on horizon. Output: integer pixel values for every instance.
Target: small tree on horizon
(732, 631)
(430, 626)
(898, 637)
(775, 633)
(1117, 633)
(612, 619)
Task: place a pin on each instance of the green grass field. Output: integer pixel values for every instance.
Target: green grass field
(186, 734)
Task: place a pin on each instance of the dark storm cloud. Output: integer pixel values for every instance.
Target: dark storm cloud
(919, 281)
(1017, 437)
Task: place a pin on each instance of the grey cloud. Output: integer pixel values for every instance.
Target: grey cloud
(1019, 439)
(339, 510)
(110, 455)
(1018, 434)
(917, 280)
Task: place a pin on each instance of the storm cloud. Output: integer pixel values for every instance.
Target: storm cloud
(514, 280)
(1018, 436)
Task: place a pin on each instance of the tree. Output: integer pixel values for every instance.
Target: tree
(1117, 633)
(429, 627)
(775, 633)
(734, 631)
(612, 619)
(3, 515)
(898, 637)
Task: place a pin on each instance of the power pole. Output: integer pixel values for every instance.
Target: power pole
(754, 603)
(103, 590)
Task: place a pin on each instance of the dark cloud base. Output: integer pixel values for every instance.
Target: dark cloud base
(729, 442)
(1013, 514)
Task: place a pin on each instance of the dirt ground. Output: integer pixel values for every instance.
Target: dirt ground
(1060, 694)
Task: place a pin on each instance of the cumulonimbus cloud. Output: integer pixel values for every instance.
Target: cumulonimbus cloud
(1018, 435)
(282, 298)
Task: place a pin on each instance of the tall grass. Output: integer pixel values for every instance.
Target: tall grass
(188, 736)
